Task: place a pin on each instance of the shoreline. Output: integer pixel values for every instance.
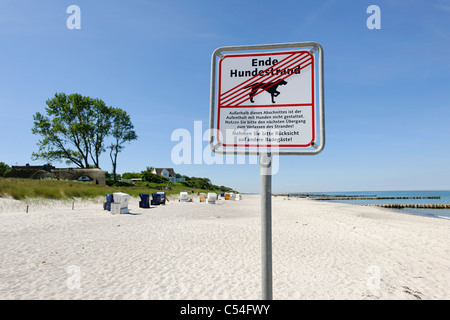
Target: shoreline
(195, 250)
(427, 203)
(433, 213)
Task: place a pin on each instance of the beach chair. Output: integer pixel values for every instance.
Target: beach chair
(227, 196)
(156, 199)
(109, 200)
(121, 201)
(202, 197)
(163, 197)
(211, 197)
(144, 203)
(184, 196)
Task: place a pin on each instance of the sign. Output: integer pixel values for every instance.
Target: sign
(266, 96)
(269, 101)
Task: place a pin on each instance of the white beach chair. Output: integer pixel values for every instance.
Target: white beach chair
(184, 196)
(211, 197)
(120, 204)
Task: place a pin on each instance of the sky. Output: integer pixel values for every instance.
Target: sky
(387, 90)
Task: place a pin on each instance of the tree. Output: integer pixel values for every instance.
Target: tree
(4, 168)
(200, 183)
(67, 130)
(103, 117)
(131, 175)
(121, 132)
(75, 129)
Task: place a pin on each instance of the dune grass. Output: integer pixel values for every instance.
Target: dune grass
(51, 189)
(20, 189)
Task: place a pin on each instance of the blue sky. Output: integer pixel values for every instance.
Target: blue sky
(387, 97)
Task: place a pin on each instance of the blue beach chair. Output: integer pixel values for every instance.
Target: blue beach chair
(144, 203)
(109, 200)
(156, 199)
(163, 197)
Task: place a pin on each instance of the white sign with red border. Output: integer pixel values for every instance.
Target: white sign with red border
(266, 96)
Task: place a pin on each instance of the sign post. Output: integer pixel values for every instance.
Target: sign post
(267, 100)
(265, 162)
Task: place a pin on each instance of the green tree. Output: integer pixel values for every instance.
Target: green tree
(121, 132)
(201, 183)
(103, 121)
(69, 130)
(131, 175)
(4, 168)
(75, 129)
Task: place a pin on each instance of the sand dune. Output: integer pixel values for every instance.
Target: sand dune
(202, 251)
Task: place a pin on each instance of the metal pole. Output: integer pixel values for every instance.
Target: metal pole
(265, 163)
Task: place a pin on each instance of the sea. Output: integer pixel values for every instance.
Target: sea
(438, 197)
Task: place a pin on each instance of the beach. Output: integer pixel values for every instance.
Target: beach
(193, 250)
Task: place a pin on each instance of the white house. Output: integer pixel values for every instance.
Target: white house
(167, 173)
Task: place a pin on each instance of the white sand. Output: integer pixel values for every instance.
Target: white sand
(203, 251)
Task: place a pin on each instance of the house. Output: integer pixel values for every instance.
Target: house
(93, 175)
(167, 173)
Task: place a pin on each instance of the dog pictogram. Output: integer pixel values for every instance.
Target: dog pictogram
(270, 87)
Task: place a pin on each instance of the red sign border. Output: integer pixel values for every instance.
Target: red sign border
(312, 104)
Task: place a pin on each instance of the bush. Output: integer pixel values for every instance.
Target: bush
(154, 178)
(199, 183)
(131, 175)
(111, 183)
(4, 168)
